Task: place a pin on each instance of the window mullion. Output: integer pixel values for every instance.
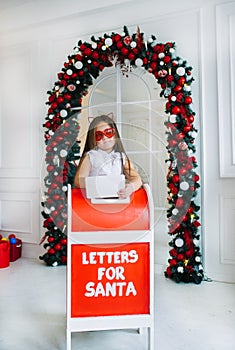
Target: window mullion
(119, 98)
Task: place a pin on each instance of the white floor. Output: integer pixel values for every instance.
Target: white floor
(188, 316)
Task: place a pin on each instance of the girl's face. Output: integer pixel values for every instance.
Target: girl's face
(105, 137)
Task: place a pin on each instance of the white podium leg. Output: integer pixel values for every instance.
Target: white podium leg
(68, 339)
(151, 338)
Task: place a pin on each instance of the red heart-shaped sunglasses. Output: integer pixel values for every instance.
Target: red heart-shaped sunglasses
(109, 132)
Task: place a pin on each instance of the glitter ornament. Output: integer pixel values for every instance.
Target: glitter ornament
(183, 146)
(161, 55)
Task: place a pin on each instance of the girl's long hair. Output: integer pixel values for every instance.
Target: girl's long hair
(91, 142)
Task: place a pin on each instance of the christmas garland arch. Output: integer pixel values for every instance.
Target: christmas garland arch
(62, 148)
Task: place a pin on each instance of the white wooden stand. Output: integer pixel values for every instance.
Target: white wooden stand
(136, 321)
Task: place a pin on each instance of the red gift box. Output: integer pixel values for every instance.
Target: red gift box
(15, 250)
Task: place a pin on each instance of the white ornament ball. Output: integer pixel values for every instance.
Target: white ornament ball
(47, 211)
(52, 208)
(173, 98)
(184, 186)
(180, 269)
(197, 258)
(89, 61)
(63, 113)
(187, 87)
(180, 71)
(94, 45)
(51, 116)
(175, 211)
(63, 153)
(139, 62)
(78, 64)
(55, 264)
(172, 118)
(103, 47)
(69, 72)
(161, 55)
(179, 242)
(55, 149)
(108, 41)
(133, 44)
(171, 50)
(51, 133)
(161, 63)
(55, 173)
(64, 188)
(77, 82)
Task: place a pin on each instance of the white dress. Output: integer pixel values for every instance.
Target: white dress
(103, 163)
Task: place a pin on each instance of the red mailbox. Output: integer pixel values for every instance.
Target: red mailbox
(110, 279)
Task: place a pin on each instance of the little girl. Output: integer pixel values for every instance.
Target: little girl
(104, 155)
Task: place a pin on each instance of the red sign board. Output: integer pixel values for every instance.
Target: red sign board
(108, 280)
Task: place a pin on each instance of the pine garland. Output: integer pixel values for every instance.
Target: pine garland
(62, 126)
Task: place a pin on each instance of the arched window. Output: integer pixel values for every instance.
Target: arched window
(132, 98)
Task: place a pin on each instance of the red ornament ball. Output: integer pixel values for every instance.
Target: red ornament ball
(176, 110)
(188, 100)
(57, 246)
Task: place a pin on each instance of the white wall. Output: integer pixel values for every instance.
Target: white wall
(36, 38)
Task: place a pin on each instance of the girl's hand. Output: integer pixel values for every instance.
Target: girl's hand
(126, 191)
